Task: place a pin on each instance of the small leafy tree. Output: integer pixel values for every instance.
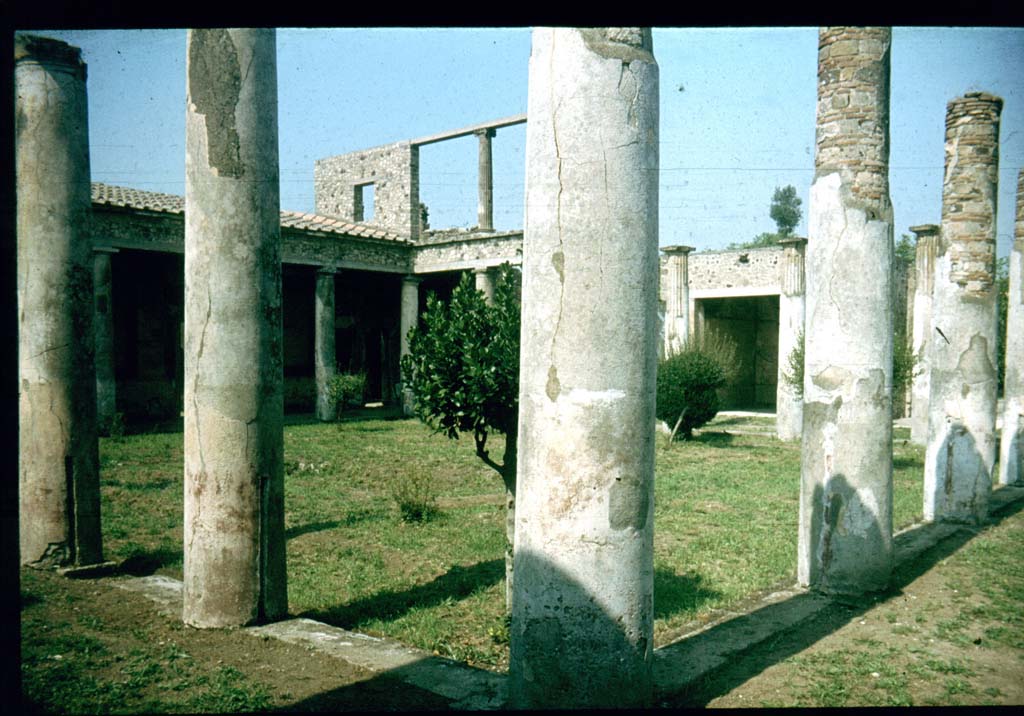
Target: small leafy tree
(687, 389)
(794, 376)
(347, 390)
(463, 371)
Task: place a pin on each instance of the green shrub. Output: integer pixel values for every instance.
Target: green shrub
(415, 496)
(687, 389)
(347, 390)
(794, 376)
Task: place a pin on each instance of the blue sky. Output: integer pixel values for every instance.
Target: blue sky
(737, 115)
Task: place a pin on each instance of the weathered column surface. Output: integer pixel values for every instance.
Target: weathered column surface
(845, 538)
(234, 570)
(484, 282)
(677, 299)
(582, 609)
(58, 459)
(962, 354)
(921, 333)
(408, 318)
(324, 355)
(103, 331)
(485, 182)
(1011, 444)
(789, 403)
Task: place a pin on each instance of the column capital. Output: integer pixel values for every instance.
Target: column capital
(489, 132)
(925, 230)
(412, 279)
(105, 250)
(327, 270)
(47, 51)
(676, 250)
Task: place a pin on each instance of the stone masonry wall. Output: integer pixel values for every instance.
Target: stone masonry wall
(742, 268)
(393, 169)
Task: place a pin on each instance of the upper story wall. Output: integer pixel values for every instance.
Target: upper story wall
(392, 169)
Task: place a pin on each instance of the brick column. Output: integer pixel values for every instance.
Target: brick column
(58, 459)
(485, 182)
(677, 299)
(324, 354)
(103, 330)
(1011, 445)
(962, 354)
(234, 569)
(582, 609)
(845, 538)
(789, 403)
(921, 328)
(408, 319)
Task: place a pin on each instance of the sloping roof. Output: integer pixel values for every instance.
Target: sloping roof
(122, 196)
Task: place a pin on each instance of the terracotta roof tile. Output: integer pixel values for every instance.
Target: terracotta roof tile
(110, 195)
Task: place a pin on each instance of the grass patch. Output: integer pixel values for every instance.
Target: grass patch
(355, 560)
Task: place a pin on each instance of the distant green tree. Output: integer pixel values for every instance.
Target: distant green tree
(785, 210)
(905, 249)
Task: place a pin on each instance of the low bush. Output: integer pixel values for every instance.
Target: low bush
(687, 390)
(347, 390)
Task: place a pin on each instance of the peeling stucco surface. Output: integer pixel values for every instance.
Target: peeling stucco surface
(1011, 445)
(583, 604)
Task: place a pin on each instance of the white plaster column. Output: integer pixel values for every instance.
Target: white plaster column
(1011, 445)
(408, 318)
(58, 458)
(234, 561)
(582, 611)
(961, 451)
(921, 310)
(845, 534)
(324, 353)
(677, 299)
(484, 281)
(485, 182)
(789, 404)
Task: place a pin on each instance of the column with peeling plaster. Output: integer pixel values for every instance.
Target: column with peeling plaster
(324, 354)
(58, 457)
(582, 616)
(789, 403)
(961, 451)
(677, 299)
(845, 523)
(234, 566)
(408, 318)
(485, 182)
(1011, 442)
(921, 329)
(103, 330)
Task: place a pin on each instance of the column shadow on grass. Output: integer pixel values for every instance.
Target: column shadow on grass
(917, 550)
(675, 593)
(457, 583)
(142, 563)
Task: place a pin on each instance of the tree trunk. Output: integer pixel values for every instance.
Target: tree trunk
(509, 477)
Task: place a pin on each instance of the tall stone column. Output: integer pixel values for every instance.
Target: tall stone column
(921, 329)
(582, 608)
(677, 299)
(324, 355)
(485, 182)
(962, 354)
(103, 330)
(484, 281)
(408, 317)
(1011, 444)
(234, 570)
(58, 457)
(845, 534)
(789, 404)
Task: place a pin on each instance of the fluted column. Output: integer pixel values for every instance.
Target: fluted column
(324, 354)
(921, 330)
(103, 330)
(485, 182)
(677, 299)
(1011, 445)
(407, 321)
(789, 403)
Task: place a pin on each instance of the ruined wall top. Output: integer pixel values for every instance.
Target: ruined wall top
(853, 109)
(969, 190)
(50, 52)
